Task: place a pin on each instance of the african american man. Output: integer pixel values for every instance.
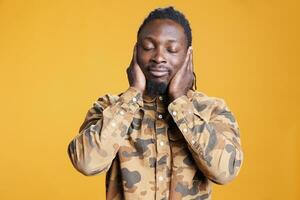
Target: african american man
(161, 138)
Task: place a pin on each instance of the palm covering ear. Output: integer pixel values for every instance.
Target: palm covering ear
(135, 74)
(183, 79)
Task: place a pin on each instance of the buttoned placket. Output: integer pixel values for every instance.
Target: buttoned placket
(162, 149)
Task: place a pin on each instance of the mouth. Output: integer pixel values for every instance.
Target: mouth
(158, 72)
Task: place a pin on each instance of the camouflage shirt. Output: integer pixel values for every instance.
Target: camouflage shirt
(154, 151)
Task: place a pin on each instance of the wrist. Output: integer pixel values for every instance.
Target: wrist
(172, 97)
(139, 89)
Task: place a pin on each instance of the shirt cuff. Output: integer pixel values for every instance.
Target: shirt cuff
(181, 108)
(182, 111)
(131, 99)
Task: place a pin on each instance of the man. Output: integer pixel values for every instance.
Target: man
(160, 139)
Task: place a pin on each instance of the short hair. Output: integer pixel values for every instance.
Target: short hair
(172, 14)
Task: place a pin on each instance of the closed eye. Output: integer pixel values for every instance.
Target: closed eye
(147, 48)
(172, 50)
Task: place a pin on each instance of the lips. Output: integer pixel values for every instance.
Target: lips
(158, 72)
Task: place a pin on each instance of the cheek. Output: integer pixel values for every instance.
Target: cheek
(142, 60)
(176, 63)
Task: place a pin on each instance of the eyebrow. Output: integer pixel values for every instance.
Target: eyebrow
(151, 38)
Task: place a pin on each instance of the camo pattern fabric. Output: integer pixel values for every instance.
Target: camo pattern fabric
(152, 150)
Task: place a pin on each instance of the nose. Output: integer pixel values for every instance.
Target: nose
(158, 56)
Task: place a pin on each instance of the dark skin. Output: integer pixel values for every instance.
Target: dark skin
(161, 54)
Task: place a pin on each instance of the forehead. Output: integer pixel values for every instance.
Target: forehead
(163, 29)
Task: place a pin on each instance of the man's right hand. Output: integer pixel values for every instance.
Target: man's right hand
(135, 75)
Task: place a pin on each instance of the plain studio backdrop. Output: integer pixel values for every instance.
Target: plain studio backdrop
(57, 57)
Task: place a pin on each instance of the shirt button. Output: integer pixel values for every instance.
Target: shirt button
(193, 141)
(92, 127)
(134, 99)
(174, 113)
(161, 178)
(161, 143)
(160, 116)
(160, 98)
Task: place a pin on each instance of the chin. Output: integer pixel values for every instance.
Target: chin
(157, 86)
(160, 80)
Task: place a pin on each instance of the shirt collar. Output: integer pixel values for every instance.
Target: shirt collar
(149, 99)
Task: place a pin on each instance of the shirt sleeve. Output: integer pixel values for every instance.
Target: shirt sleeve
(212, 134)
(103, 132)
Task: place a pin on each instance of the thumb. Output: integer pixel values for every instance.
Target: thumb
(135, 53)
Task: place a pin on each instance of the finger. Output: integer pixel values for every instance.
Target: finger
(134, 53)
(191, 63)
(133, 56)
(191, 70)
(186, 61)
(135, 63)
(187, 68)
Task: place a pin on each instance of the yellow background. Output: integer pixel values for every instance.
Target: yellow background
(58, 57)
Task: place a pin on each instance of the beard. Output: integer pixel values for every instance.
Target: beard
(154, 88)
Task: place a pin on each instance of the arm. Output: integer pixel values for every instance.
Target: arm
(103, 132)
(212, 135)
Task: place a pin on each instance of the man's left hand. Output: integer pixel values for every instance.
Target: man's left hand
(184, 78)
